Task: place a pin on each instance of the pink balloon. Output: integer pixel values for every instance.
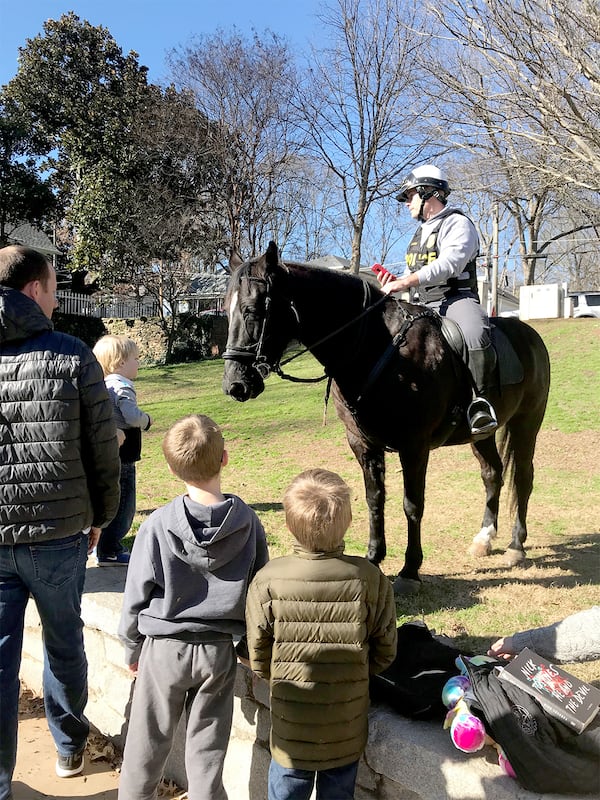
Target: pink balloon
(467, 732)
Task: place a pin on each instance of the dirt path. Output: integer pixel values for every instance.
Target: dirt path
(35, 777)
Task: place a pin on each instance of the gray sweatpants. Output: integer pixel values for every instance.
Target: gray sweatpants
(173, 676)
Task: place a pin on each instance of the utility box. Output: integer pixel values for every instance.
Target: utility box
(541, 302)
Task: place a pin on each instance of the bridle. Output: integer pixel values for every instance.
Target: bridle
(253, 354)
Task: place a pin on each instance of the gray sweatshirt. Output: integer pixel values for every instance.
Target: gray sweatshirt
(189, 573)
(575, 638)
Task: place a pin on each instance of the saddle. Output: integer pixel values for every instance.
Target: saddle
(509, 367)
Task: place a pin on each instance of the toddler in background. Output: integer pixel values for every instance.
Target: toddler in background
(120, 359)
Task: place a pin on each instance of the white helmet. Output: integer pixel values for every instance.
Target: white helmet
(429, 181)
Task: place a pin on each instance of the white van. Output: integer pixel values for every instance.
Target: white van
(585, 304)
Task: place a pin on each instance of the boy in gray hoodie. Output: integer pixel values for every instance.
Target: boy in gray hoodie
(184, 602)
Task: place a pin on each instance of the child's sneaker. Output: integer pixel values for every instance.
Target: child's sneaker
(120, 560)
(67, 766)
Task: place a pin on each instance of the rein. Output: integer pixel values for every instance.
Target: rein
(366, 309)
(254, 352)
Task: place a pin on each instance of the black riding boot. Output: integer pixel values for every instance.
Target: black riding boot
(480, 414)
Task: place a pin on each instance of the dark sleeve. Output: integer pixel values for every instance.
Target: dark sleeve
(383, 639)
(99, 446)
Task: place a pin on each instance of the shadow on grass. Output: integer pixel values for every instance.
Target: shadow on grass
(258, 507)
(577, 557)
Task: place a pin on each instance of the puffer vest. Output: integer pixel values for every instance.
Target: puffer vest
(418, 255)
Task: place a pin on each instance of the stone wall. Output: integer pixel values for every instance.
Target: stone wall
(201, 337)
(403, 760)
(145, 333)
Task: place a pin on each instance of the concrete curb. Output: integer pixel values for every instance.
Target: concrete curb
(404, 759)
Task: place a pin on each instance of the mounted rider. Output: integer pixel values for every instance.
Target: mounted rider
(440, 264)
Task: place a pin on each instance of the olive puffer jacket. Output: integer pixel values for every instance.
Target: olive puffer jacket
(318, 624)
(59, 457)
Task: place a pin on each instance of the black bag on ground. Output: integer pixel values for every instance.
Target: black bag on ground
(413, 683)
(546, 755)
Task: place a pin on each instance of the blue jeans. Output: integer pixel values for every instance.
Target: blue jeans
(286, 783)
(111, 536)
(53, 573)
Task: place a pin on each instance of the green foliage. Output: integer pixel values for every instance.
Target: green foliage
(79, 94)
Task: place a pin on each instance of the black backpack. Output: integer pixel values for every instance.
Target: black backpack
(546, 755)
(413, 683)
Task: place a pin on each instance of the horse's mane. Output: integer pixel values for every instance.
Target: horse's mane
(344, 280)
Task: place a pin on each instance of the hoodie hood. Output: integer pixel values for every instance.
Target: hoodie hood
(20, 317)
(210, 537)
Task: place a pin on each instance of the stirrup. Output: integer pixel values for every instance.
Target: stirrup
(481, 418)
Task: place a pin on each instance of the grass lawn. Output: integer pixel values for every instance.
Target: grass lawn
(282, 432)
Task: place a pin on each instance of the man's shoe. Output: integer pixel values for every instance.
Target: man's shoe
(120, 560)
(67, 766)
(482, 418)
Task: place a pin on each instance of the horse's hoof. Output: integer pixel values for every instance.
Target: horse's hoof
(404, 586)
(514, 558)
(480, 549)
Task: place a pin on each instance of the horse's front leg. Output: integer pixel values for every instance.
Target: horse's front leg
(414, 467)
(490, 462)
(372, 462)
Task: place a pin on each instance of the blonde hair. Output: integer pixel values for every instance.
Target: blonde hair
(193, 448)
(113, 351)
(317, 509)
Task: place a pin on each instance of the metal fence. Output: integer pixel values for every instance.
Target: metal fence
(125, 308)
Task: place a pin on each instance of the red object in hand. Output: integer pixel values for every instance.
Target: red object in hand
(381, 272)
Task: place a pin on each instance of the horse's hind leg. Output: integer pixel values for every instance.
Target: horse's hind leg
(520, 449)
(490, 462)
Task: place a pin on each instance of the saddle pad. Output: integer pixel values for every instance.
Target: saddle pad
(509, 367)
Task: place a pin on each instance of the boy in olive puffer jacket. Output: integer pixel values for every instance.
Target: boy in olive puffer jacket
(318, 624)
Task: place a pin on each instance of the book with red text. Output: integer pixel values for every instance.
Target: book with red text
(560, 694)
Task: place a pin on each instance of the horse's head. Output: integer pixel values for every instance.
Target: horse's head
(261, 323)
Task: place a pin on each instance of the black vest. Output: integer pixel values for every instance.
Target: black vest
(418, 255)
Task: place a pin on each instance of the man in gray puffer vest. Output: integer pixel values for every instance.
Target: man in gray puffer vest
(59, 485)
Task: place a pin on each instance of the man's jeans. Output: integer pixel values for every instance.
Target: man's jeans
(53, 573)
(109, 543)
(286, 783)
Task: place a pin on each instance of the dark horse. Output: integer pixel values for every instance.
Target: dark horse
(397, 385)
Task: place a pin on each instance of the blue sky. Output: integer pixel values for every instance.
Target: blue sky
(153, 27)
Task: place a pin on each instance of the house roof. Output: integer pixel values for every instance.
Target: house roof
(209, 283)
(30, 236)
(330, 262)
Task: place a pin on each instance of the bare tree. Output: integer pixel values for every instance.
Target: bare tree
(244, 88)
(545, 59)
(488, 107)
(361, 107)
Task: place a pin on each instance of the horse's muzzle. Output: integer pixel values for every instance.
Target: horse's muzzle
(241, 381)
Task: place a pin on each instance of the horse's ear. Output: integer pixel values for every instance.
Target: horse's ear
(235, 260)
(272, 257)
